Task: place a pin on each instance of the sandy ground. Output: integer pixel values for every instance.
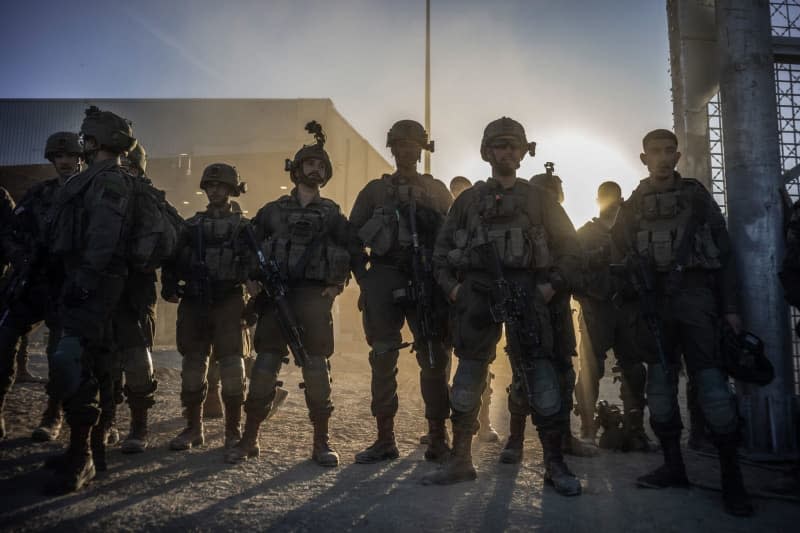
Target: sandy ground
(284, 490)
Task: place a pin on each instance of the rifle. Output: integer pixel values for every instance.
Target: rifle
(13, 289)
(421, 287)
(201, 283)
(274, 286)
(509, 303)
(638, 271)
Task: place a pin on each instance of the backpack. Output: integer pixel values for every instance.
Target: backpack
(155, 227)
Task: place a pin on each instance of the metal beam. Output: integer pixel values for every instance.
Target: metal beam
(786, 49)
(755, 221)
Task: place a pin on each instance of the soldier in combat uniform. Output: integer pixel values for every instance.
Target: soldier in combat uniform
(134, 325)
(536, 244)
(25, 243)
(381, 216)
(673, 224)
(310, 239)
(607, 325)
(207, 277)
(89, 233)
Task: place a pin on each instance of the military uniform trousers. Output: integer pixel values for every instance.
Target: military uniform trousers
(606, 327)
(134, 329)
(202, 327)
(475, 337)
(383, 317)
(690, 323)
(312, 311)
(18, 320)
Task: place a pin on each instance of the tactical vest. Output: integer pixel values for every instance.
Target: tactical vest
(663, 218)
(501, 217)
(31, 214)
(388, 228)
(302, 246)
(224, 259)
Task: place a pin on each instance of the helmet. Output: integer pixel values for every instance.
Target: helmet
(505, 127)
(549, 181)
(112, 132)
(223, 173)
(744, 357)
(295, 166)
(63, 141)
(137, 157)
(409, 130)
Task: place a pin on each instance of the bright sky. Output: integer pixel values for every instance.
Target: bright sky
(587, 78)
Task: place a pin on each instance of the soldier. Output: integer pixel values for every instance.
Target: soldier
(673, 226)
(310, 239)
(606, 326)
(25, 243)
(486, 433)
(134, 324)
(536, 244)
(207, 278)
(381, 216)
(89, 233)
(561, 312)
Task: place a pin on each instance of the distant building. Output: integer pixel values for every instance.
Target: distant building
(182, 136)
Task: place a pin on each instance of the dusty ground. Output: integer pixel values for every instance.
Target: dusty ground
(284, 491)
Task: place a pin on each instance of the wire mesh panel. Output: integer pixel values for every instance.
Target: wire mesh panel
(785, 18)
(715, 151)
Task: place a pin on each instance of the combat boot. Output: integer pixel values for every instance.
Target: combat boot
(672, 473)
(512, 452)
(136, 441)
(77, 468)
(322, 453)
(459, 466)
(385, 447)
(248, 445)
(573, 446)
(734, 495)
(233, 422)
(50, 426)
(111, 433)
(635, 438)
(438, 450)
(212, 407)
(556, 471)
(193, 435)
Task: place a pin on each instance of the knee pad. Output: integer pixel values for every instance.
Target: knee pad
(138, 368)
(546, 395)
(661, 394)
(193, 372)
(468, 385)
(231, 373)
(264, 376)
(717, 401)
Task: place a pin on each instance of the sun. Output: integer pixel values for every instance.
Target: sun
(583, 161)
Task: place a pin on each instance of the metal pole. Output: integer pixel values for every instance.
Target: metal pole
(753, 179)
(428, 81)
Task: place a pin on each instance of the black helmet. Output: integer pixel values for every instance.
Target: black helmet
(112, 132)
(744, 357)
(63, 141)
(223, 173)
(409, 130)
(295, 166)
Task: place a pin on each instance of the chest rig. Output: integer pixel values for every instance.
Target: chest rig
(299, 240)
(388, 229)
(221, 252)
(32, 214)
(501, 216)
(664, 218)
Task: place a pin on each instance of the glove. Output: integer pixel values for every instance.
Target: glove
(66, 372)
